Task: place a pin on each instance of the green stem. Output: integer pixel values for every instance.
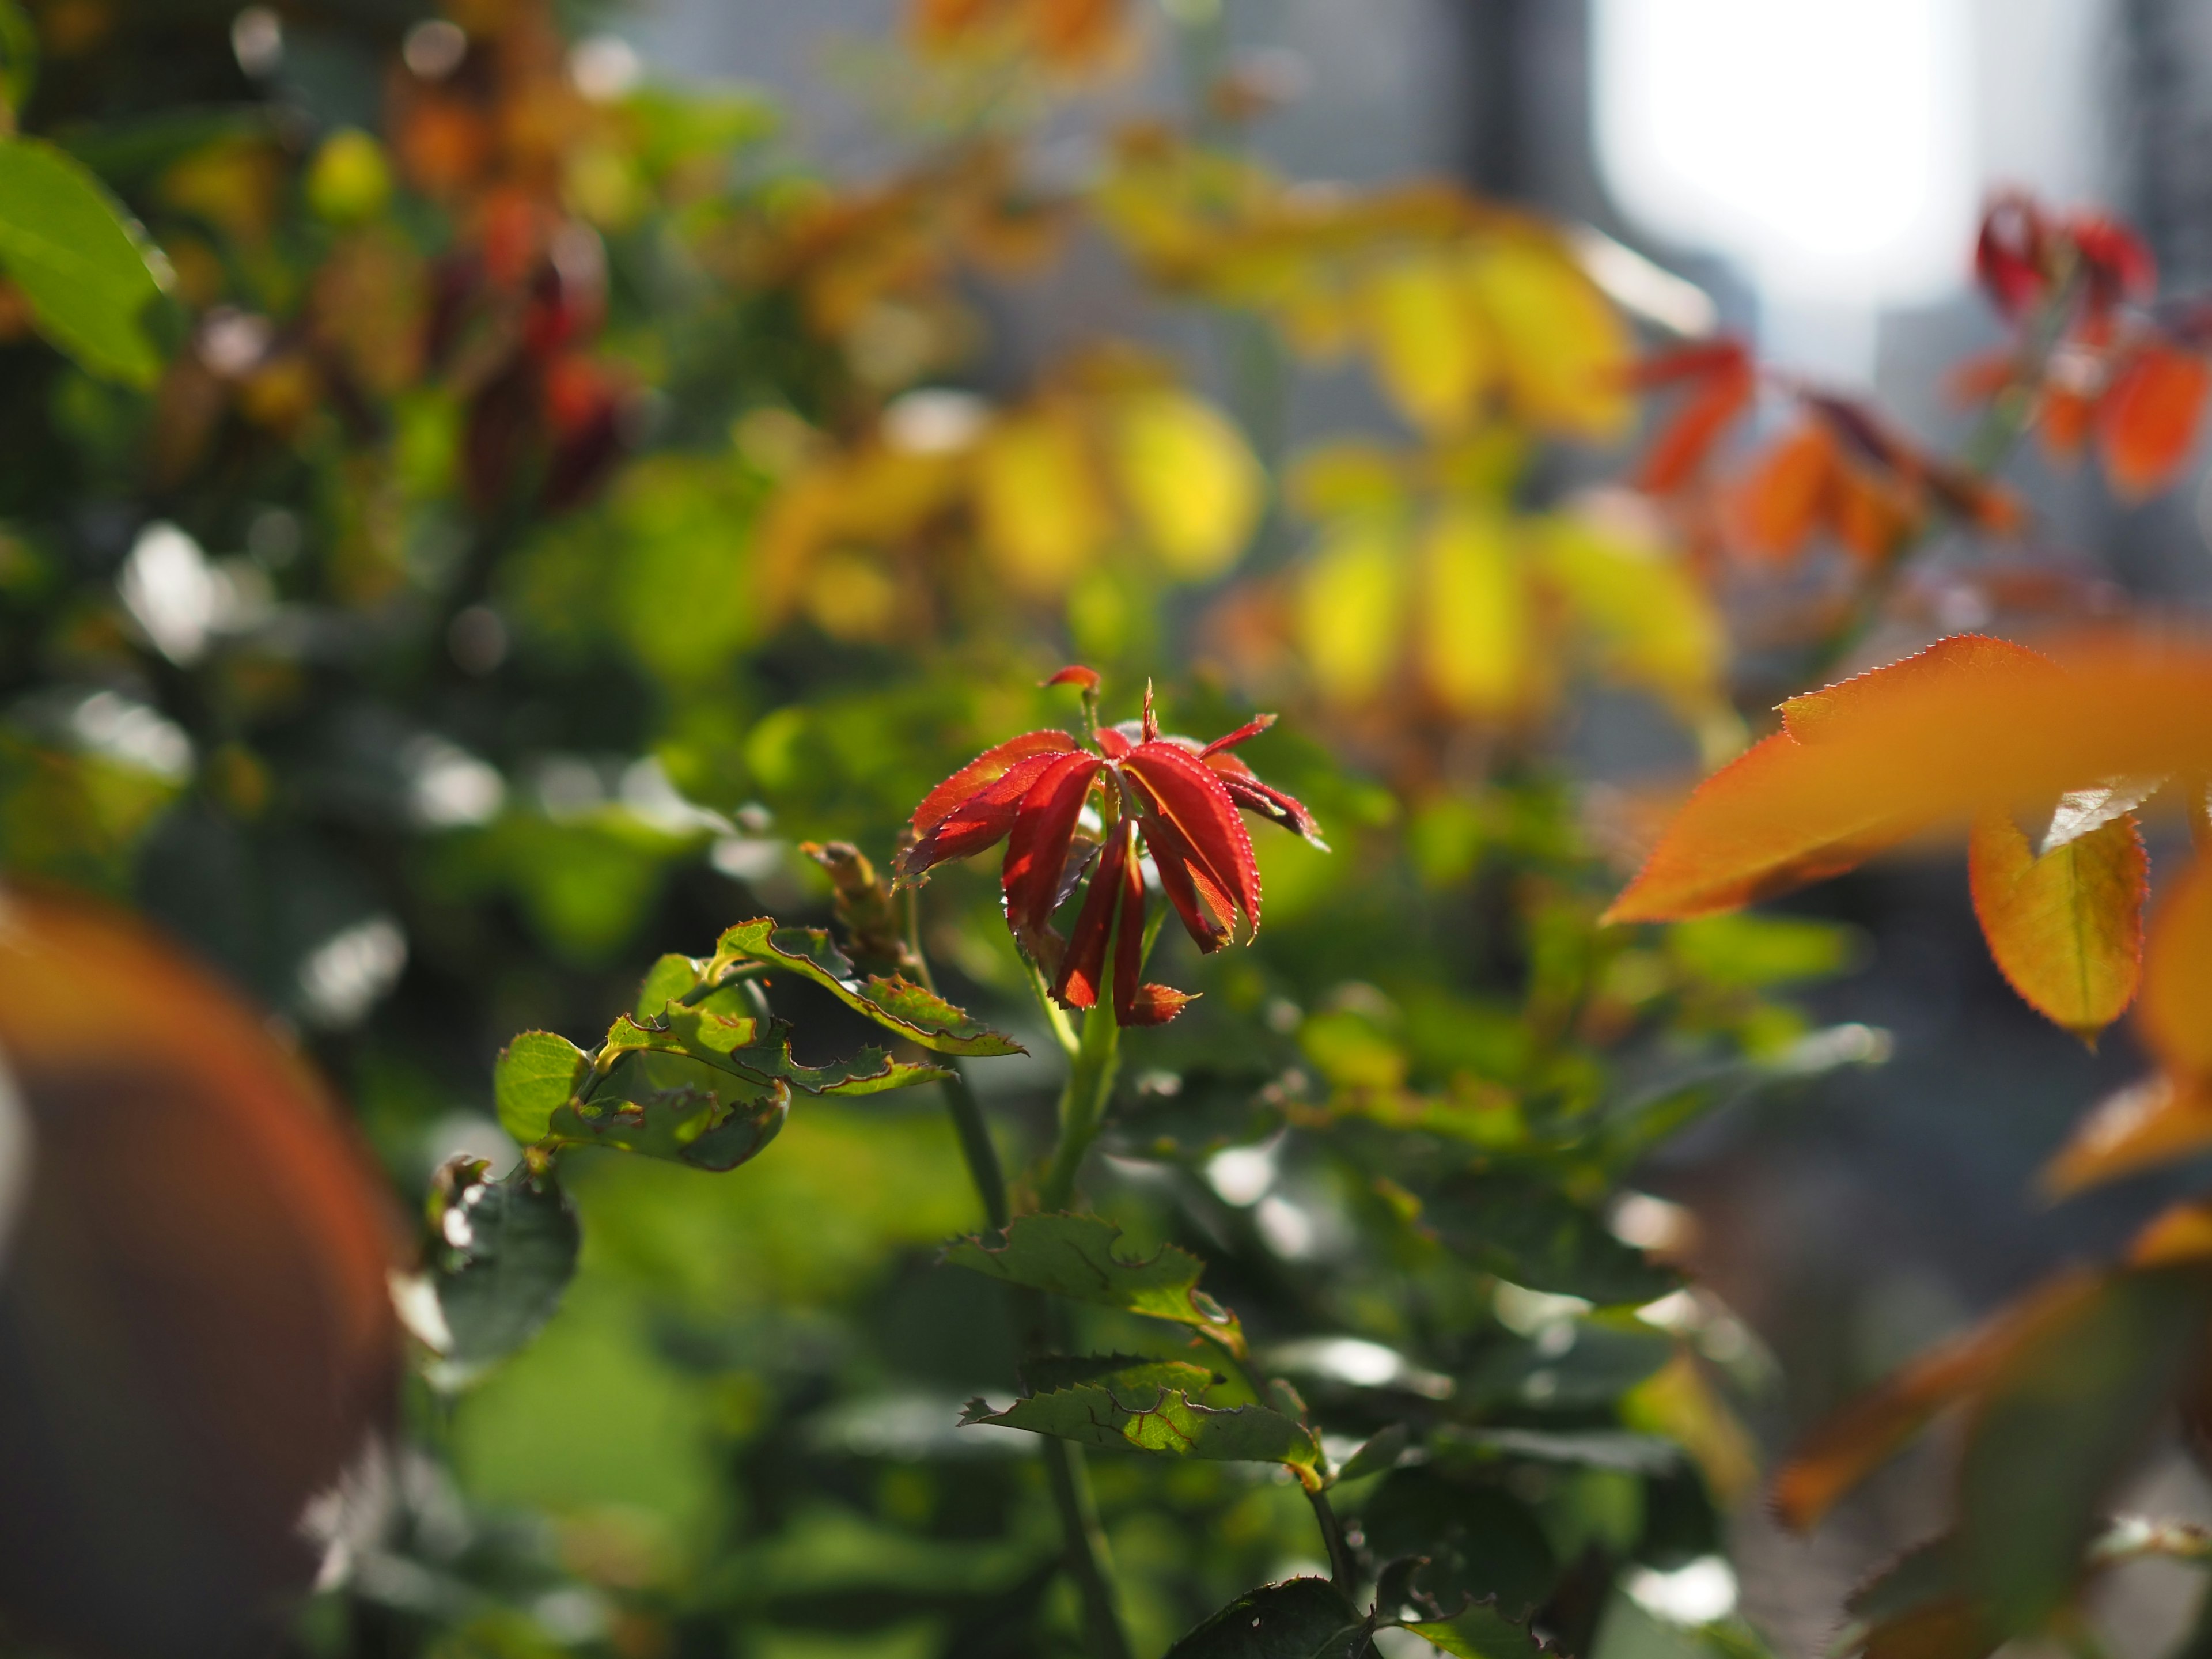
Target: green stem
(1086, 1547)
(976, 1145)
(1341, 1571)
(1082, 1106)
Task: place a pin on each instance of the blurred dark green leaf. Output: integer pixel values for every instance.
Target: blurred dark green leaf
(1073, 1255)
(510, 1250)
(1298, 1619)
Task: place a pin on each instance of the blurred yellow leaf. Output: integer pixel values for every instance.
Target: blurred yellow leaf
(1038, 505)
(1646, 619)
(1191, 484)
(1351, 476)
(1565, 350)
(1474, 618)
(1350, 606)
(1432, 351)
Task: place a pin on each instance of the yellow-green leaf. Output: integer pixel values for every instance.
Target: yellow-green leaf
(1351, 605)
(1474, 621)
(2066, 928)
(1190, 482)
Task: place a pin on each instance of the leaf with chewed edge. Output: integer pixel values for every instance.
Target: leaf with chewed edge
(914, 1013)
(1074, 1256)
(2066, 928)
(1137, 1415)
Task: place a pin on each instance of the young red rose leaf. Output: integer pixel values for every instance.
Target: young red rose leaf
(1270, 803)
(1075, 674)
(986, 768)
(1039, 845)
(2148, 422)
(2064, 419)
(1134, 1002)
(2065, 928)
(1083, 964)
(1180, 788)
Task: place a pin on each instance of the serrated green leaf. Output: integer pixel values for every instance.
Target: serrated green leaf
(918, 1015)
(70, 248)
(1048, 1373)
(670, 977)
(678, 1107)
(1481, 1543)
(537, 1073)
(1073, 1255)
(758, 1051)
(511, 1251)
(1156, 1417)
(1479, 1632)
(1298, 1618)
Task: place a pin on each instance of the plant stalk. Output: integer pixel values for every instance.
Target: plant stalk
(1082, 1106)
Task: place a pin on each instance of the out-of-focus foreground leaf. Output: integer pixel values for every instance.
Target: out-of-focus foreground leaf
(67, 246)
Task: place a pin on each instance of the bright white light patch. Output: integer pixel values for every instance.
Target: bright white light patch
(1695, 1594)
(171, 592)
(1827, 145)
(342, 978)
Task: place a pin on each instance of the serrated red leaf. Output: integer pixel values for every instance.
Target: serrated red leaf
(1136, 1002)
(1039, 845)
(984, 769)
(1183, 792)
(979, 822)
(2012, 254)
(2147, 423)
(1082, 966)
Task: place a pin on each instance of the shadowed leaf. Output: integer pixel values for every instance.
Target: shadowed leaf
(918, 1015)
(511, 1251)
(1298, 1618)
(1128, 1411)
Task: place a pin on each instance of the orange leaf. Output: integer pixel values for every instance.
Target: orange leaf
(2154, 1122)
(1781, 501)
(2063, 421)
(1846, 1448)
(2176, 1017)
(1971, 723)
(2148, 419)
(1685, 442)
(1978, 379)
(1870, 519)
(2066, 928)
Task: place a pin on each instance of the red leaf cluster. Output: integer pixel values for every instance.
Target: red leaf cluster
(1179, 798)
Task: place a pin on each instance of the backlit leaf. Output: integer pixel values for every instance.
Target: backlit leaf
(2156, 1120)
(2081, 810)
(1157, 1416)
(1038, 506)
(1473, 617)
(2148, 422)
(2066, 928)
(2177, 1005)
(1969, 724)
(1073, 1255)
(1781, 499)
(1433, 349)
(1479, 1632)
(1190, 482)
(1298, 1619)
(899, 1006)
(1646, 619)
(675, 1106)
(1351, 605)
(67, 246)
(1565, 350)
(537, 1073)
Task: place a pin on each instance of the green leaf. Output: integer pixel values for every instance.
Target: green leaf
(1482, 1542)
(537, 1073)
(1479, 1632)
(670, 977)
(1046, 1373)
(19, 53)
(1382, 1451)
(1156, 1415)
(510, 1249)
(918, 1015)
(1616, 1449)
(2058, 1429)
(1298, 1618)
(678, 1107)
(1528, 1231)
(1073, 1255)
(70, 248)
